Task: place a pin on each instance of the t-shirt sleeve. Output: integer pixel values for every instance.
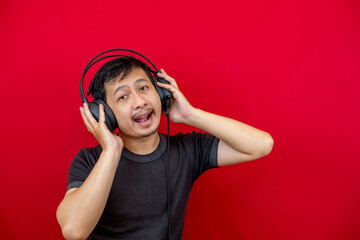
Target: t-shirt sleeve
(82, 165)
(204, 148)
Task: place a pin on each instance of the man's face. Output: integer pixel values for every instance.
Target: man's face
(135, 103)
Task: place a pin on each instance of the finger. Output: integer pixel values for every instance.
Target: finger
(86, 121)
(169, 79)
(164, 75)
(169, 87)
(101, 114)
(163, 71)
(89, 116)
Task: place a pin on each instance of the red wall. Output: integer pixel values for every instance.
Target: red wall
(288, 67)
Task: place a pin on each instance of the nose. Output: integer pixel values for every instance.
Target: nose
(139, 101)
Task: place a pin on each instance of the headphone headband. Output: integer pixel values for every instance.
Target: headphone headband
(95, 60)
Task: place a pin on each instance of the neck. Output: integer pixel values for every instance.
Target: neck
(143, 145)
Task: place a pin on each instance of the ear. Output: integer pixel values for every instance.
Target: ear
(165, 95)
(110, 119)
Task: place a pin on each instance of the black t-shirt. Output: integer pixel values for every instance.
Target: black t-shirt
(137, 203)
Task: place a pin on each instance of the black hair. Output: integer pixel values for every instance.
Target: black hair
(111, 70)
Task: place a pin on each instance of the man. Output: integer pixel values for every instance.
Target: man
(118, 189)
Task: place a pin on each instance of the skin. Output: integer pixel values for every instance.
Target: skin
(132, 98)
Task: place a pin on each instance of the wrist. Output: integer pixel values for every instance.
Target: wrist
(193, 116)
(112, 153)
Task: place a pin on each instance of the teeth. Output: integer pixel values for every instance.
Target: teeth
(142, 119)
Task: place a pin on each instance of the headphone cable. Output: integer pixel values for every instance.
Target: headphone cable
(167, 173)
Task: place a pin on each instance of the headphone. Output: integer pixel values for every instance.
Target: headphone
(110, 119)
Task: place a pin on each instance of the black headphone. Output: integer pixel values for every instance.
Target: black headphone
(110, 119)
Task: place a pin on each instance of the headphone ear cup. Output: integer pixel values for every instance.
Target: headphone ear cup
(110, 119)
(165, 95)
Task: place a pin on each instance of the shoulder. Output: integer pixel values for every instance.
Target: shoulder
(96, 150)
(87, 156)
(81, 166)
(200, 148)
(192, 137)
(194, 140)
(189, 135)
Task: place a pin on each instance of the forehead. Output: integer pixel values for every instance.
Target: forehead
(135, 76)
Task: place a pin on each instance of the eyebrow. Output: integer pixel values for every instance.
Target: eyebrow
(125, 86)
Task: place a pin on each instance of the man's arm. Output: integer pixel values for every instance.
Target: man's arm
(81, 208)
(239, 142)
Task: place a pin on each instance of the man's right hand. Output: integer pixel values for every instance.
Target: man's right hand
(109, 141)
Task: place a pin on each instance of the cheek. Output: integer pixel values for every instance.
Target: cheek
(157, 102)
(121, 114)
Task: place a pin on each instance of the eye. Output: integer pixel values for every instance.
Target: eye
(143, 88)
(122, 98)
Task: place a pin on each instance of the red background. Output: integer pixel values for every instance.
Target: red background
(290, 68)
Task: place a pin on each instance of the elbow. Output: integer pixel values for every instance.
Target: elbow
(264, 147)
(268, 144)
(70, 230)
(70, 233)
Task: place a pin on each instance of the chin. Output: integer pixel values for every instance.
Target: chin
(139, 133)
(149, 134)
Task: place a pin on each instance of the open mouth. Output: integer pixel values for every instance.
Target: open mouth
(143, 119)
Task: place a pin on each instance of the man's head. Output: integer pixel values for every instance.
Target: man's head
(126, 85)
